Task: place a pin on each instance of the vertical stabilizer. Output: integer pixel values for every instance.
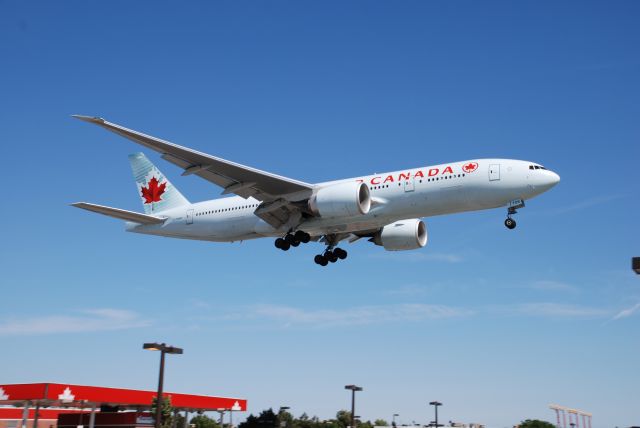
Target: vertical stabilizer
(155, 190)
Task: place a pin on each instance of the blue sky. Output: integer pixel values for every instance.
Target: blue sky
(496, 324)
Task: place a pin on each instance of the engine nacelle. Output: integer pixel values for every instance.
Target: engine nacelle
(341, 200)
(402, 235)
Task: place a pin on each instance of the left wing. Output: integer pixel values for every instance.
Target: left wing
(276, 192)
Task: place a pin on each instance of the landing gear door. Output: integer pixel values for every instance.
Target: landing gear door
(494, 172)
(189, 216)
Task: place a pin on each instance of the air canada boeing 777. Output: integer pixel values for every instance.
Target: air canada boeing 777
(384, 208)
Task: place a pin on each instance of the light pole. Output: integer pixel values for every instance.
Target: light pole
(164, 349)
(283, 423)
(436, 404)
(353, 389)
(393, 420)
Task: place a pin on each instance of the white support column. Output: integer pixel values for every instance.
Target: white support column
(186, 419)
(92, 417)
(25, 414)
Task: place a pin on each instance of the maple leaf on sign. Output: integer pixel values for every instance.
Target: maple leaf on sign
(153, 191)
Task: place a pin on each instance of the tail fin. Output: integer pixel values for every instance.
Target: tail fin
(155, 191)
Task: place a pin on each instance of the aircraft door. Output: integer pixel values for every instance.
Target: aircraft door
(189, 216)
(409, 185)
(494, 172)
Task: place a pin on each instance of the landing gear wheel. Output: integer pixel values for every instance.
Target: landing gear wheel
(279, 243)
(510, 223)
(340, 253)
(320, 260)
(331, 256)
(302, 237)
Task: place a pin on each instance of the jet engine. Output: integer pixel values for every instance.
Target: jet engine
(402, 235)
(341, 200)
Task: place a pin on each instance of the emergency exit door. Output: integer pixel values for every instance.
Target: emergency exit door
(494, 172)
(189, 216)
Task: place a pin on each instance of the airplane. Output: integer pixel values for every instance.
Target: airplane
(387, 209)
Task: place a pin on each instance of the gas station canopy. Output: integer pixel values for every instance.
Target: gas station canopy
(80, 396)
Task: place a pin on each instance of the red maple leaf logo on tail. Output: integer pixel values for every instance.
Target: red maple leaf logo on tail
(153, 192)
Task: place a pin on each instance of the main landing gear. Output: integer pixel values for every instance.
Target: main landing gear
(292, 240)
(512, 208)
(330, 256)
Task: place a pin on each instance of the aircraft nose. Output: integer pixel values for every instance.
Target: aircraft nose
(551, 179)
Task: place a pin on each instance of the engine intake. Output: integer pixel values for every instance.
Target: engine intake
(402, 235)
(341, 200)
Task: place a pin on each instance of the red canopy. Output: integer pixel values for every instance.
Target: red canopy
(65, 395)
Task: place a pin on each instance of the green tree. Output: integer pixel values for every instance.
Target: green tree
(166, 412)
(381, 423)
(343, 418)
(266, 419)
(204, 421)
(535, 423)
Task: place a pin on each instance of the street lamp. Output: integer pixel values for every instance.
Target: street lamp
(436, 404)
(164, 349)
(353, 389)
(393, 420)
(283, 423)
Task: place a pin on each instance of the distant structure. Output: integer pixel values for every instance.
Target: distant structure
(574, 417)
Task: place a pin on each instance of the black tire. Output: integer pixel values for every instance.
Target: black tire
(279, 243)
(320, 260)
(342, 254)
(295, 243)
(289, 238)
(331, 256)
(510, 223)
(285, 246)
(306, 238)
(299, 235)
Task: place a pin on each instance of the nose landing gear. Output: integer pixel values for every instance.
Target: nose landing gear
(510, 223)
(512, 208)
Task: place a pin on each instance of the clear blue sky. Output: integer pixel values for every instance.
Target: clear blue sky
(496, 324)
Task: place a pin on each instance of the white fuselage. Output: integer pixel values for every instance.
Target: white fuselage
(413, 193)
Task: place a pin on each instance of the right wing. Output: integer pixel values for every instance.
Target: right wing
(276, 192)
(119, 213)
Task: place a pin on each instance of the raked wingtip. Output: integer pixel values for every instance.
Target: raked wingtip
(89, 119)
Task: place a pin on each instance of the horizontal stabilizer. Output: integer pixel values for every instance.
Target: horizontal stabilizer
(121, 214)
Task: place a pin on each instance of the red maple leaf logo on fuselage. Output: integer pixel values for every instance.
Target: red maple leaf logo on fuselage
(153, 191)
(470, 167)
